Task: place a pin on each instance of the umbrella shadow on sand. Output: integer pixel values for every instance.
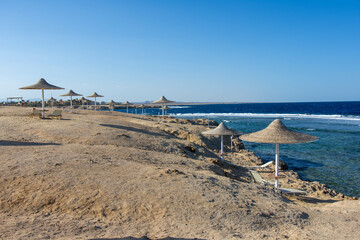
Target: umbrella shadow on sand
(146, 238)
(136, 130)
(18, 143)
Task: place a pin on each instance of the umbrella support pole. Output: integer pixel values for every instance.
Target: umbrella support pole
(43, 104)
(222, 146)
(163, 111)
(231, 143)
(70, 103)
(277, 166)
(95, 104)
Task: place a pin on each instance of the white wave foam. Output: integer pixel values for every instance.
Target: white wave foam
(271, 115)
(179, 106)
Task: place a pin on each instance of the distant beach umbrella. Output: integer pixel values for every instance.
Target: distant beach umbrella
(95, 95)
(278, 133)
(127, 106)
(222, 131)
(142, 108)
(166, 108)
(112, 104)
(52, 100)
(42, 84)
(163, 101)
(87, 101)
(82, 99)
(71, 94)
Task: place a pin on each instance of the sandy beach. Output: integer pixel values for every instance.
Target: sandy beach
(110, 175)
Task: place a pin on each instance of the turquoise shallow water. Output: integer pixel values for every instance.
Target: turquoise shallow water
(333, 160)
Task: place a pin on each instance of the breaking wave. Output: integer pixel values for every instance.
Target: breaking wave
(271, 115)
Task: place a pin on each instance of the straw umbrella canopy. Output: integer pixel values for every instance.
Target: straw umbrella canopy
(163, 101)
(71, 94)
(278, 133)
(95, 95)
(222, 131)
(42, 84)
(127, 106)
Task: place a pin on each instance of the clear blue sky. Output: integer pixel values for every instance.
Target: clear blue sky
(290, 50)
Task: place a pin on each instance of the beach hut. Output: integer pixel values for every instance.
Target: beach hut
(222, 131)
(277, 133)
(95, 95)
(163, 101)
(71, 94)
(43, 85)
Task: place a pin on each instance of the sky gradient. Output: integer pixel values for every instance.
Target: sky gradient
(218, 51)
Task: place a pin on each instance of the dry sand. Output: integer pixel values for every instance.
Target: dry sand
(107, 175)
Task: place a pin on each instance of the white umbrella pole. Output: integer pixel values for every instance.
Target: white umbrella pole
(277, 166)
(231, 140)
(163, 110)
(43, 104)
(70, 103)
(222, 145)
(95, 103)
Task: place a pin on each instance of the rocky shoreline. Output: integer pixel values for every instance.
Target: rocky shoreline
(242, 157)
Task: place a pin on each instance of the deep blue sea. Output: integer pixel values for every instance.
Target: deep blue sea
(333, 160)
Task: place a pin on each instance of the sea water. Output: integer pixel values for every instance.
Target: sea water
(333, 160)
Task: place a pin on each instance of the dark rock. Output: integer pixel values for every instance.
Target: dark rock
(190, 149)
(283, 165)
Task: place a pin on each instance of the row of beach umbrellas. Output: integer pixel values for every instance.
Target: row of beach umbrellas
(276, 133)
(42, 84)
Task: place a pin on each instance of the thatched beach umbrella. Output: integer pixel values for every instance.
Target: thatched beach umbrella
(95, 95)
(163, 101)
(142, 108)
(82, 99)
(70, 94)
(52, 100)
(166, 108)
(112, 104)
(278, 133)
(87, 101)
(127, 106)
(222, 131)
(42, 84)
